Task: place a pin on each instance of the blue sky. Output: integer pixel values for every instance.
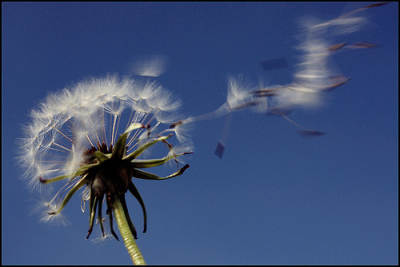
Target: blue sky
(275, 197)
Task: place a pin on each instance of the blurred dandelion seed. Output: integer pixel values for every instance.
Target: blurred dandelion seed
(152, 66)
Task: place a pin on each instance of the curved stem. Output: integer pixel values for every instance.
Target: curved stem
(126, 233)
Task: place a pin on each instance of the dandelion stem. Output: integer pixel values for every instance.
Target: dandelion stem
(126, 233)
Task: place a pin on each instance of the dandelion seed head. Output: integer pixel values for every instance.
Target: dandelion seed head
(90, 113)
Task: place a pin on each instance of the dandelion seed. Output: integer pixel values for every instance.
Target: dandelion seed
(152, 66)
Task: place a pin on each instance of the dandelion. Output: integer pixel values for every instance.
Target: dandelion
(93, 136)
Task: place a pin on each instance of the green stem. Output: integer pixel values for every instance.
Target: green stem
(126, 234)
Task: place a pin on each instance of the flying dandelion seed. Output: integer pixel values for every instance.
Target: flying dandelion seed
(152, 66)
(92, 137)
(312, 78)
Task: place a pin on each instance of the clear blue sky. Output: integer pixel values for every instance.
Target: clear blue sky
(275, 197)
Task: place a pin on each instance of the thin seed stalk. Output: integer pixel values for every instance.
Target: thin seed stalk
(126, 234)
